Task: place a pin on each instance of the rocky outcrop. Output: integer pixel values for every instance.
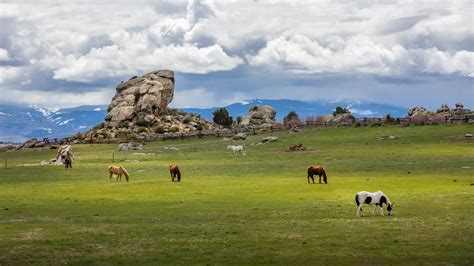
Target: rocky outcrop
(140, 100)
(457, 115)
(139, 111)
(239, 136)
(339, 119)
(260, 116)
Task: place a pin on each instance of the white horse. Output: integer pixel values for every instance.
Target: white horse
(373, 198)
(236, 148)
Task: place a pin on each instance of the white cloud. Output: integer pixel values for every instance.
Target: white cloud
(4, 55)
(88, 41)
(54, 99)
(359, 54)
(9, 74)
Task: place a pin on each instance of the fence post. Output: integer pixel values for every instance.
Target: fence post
(5, 162)
(113, 157)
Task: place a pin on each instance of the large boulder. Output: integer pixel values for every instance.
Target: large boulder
(260, 116)
(141, 99)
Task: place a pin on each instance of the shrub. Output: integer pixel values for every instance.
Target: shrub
(340, 110)
(291, 119)
(222, 117)
(159, 130)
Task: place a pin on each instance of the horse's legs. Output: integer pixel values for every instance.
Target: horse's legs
(375, 208)
(319, 178)
(381, 210)
(360, 212)
(110, 177)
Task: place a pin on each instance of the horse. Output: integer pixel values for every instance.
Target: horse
(373, 198)
(119, 171)
(175, 173)
(236, 148)
(317, 170)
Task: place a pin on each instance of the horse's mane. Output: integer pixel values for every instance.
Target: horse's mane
(124, 171)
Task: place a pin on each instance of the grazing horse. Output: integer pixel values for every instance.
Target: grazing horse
(175, 173)
(118, 171)
(376, 198)
(317, 170)
(236, 148)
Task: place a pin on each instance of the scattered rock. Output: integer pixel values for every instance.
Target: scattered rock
(239, 136)
(468, 135)
(295, 129)
(389, 137)
(171, 148)
(298, 147)
(260, 116)
(131, 146)
(7, 147)
(466, 167)
(269, 139)
(132, 161)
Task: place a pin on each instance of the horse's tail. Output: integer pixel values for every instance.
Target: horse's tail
(357, 199)
(127, 176)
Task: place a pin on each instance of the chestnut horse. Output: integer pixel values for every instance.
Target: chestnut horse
(317, 170)
(119, 171)
(175, 173)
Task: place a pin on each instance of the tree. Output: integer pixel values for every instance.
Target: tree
(340, 110)
(222, 117)
(389, 119)
(239, 119)
(291, 119)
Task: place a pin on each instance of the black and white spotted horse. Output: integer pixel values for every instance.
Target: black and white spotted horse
(373, 198)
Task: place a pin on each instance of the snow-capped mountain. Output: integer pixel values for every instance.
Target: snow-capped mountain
(303, 109)
(18, 123)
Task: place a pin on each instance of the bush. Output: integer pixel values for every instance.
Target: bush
(291, 120)
(340, 110)
(141, 130)
(187, 119)
(159, 130)
(222, 117)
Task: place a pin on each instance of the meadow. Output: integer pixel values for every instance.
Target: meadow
(255, 208)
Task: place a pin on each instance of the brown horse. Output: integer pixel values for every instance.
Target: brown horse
(175, 173)
(317, 170)
(119, 171)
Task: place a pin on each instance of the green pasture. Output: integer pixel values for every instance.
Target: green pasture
(255, 208)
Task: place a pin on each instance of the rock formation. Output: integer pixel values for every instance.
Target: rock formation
(260, 116)
(139, 110)
(457, 115)
(140, 100)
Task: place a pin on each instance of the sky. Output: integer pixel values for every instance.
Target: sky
(407, 53)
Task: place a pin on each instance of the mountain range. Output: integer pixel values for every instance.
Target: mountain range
(18, 123)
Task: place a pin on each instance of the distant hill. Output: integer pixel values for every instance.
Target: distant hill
(304, 109)
(18, 123)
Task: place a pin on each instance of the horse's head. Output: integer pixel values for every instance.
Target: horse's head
(390, 209)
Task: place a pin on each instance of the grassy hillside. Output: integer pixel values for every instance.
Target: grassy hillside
(250, 209)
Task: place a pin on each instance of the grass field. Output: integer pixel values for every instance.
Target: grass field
(251, 209)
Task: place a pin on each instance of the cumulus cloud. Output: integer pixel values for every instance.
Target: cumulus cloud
(99, 42)
(4, 55)
(359, 54)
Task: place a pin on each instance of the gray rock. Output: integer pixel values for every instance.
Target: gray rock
(239, 136)
(259, 115)
(269, 139)
(140, 99)
(131, 146)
